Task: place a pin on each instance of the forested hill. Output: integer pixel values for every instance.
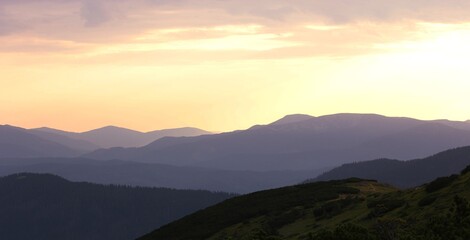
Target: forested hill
(43, 206)
(404, 174)
(342, 209)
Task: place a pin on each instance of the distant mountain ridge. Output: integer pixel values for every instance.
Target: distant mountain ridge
(292, 119)
(16, 142)
(58, 137)
(301, 142)
(112, 136)
(22, 143)
(403, 174)
(465, 125)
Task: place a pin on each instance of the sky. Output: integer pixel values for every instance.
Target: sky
(223, 65)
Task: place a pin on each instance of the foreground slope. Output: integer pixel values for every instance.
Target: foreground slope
(35, 206)
(301, 142)
(403, 174)
(342, 209)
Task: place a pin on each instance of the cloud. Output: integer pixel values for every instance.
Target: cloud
(6, 25)
(340, 11)
(147, 14)
(281, 29)
(93, 13)
(385, 10)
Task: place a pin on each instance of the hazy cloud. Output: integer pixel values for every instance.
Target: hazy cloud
(6, 25)
(93, 13)
(335, 10)
(296, 28)
(186, 13)
(385, 10)
(341, 11)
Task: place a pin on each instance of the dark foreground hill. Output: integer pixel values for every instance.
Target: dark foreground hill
(155, 175)
(337, 210)
(35, 206)
(404, 174)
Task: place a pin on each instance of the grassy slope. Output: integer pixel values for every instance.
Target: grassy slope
(296, 212)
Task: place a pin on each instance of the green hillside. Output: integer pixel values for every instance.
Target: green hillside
(344, 209)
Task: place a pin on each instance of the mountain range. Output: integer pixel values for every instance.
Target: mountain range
(338, 204)
(44, 206)
(112, 136)
(46, 142)
(22, 143)
(299, 142)
(287, 151)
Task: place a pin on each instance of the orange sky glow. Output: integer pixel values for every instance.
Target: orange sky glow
(226, 65)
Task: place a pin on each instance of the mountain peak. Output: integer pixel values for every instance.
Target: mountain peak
(7, 126)
(181, 129)
(112, 128)
(51, 130)
(356, 115)
(293, 118)
(44, 129)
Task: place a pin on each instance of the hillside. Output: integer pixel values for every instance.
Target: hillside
(42, 206)
(342, 209)
(155, 175)
(464, 125)
(403, 174)
(301, 142)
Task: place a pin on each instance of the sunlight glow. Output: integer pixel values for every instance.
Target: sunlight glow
(252, 42)
(324, 27)
(223, 69)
